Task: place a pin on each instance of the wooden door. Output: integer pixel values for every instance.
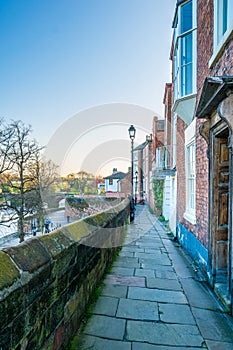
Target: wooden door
(221, 207)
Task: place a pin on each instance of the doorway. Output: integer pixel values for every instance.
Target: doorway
(219, 207)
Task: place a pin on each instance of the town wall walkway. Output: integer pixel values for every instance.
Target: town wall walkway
(154, 299)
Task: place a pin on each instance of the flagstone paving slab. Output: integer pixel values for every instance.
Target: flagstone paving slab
(163, 334)
(213, 345)
(160, 283)
(125, 280)
(174, 313)
(95, 343)
(115, 291)
(165, 274)
(106, 306)
(138, 309)
(143, 346)
(106, 327)
(130, 264)
(124, 271)
(145, 273)
(152, 299)
(216, 328)
(197, 294)
(164, 296)
(130, 248)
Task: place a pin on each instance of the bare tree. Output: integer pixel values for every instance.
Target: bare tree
(18, 179)
(44, 173)
(6, 144)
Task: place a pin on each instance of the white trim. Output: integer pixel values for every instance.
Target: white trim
(190, 132)
(190, 217)
(177, 52)
(219, 46)
(218, 49)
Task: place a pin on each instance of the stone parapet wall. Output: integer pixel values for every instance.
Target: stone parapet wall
(46, 282)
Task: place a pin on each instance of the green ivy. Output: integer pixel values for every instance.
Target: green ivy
(158, 194)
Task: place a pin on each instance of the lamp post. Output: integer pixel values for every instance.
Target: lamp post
(136, 186)
(132, 132)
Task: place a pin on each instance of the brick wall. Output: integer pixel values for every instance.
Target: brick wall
(47, 281)
(205, 23)
(204, 41)
(202, 174)
(224, 66)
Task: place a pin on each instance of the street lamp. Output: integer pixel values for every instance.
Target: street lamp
(136, 186)
(132, 132)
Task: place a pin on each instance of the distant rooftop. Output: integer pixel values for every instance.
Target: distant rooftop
(141, 146)
(116, 176)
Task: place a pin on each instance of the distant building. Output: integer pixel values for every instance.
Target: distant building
(111, 181)
(124, 184)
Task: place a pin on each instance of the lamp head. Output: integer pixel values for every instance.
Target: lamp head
(132, 132)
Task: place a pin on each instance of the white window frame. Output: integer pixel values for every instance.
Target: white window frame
(190, 213)
(177, 51)
(174, 140)
(220, 40)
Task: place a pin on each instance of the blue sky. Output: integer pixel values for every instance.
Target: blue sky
(59, 57)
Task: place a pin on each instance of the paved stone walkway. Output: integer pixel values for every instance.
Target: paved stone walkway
(154, 300)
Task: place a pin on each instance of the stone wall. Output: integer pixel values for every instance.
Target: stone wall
(46, 282)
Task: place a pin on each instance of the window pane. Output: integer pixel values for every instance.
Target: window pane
(186, 17)
(186, 49)
(186, 80)
(186, 65)
(222, 14)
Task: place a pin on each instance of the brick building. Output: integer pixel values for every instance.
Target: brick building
(199, 112)
(144, 158)
(215, 120)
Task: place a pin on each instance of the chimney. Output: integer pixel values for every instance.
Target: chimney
(114, 170)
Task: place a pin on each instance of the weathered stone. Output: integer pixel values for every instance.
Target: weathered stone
(115, 291)
(175, 313)
(105, 306)
(138, 310)
(5, 338)
(78, 230)
(56, 242)
(145, 273)
(55, 279)
(36, 284)
(18, 329)
(216, 328)
(10, 306)
(108, 327)
(29, 255)
(160, 283)
(164, 296)
(163, 334)
(102, 344)
(125, 280)
(65, 261)
(8, 271)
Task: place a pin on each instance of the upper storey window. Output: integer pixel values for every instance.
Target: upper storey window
(186, 17)
(223, 26)
(184, 57)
